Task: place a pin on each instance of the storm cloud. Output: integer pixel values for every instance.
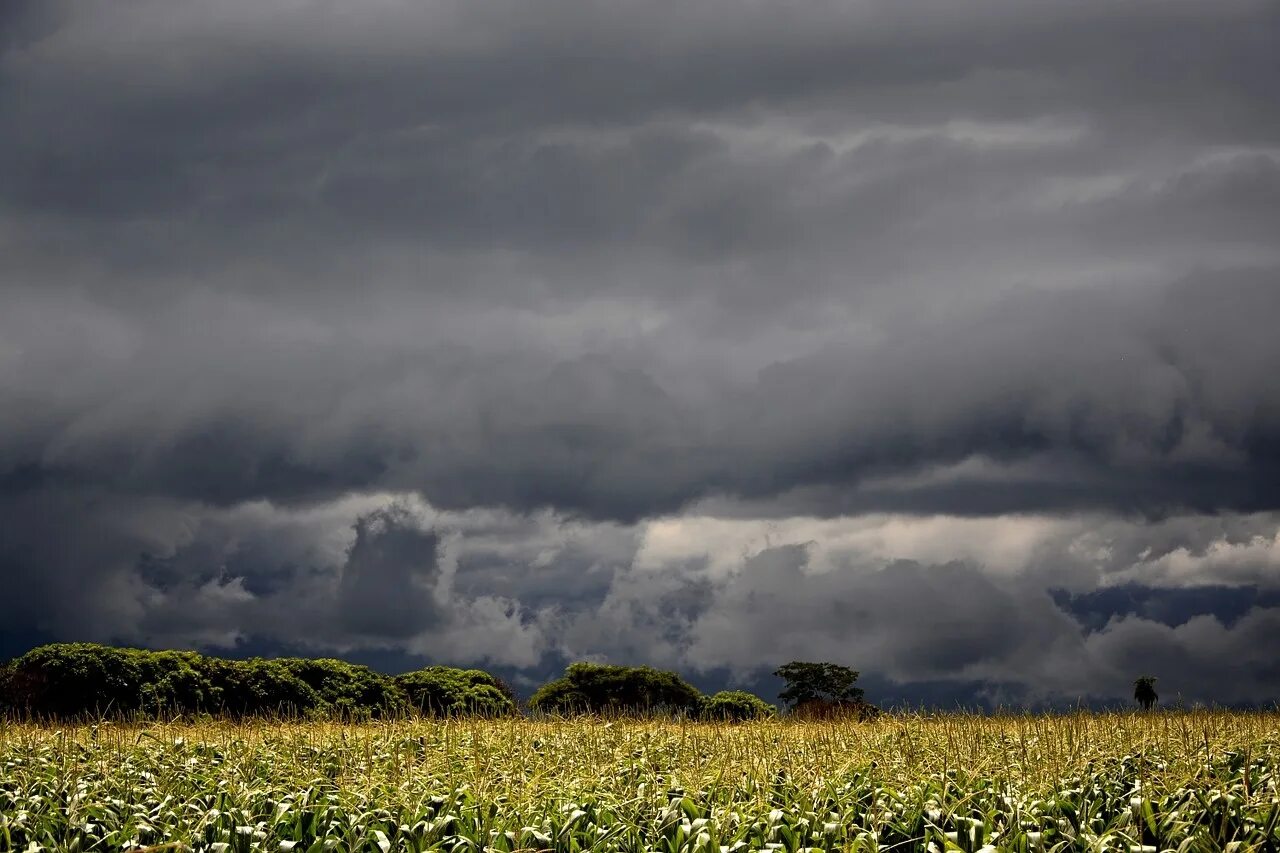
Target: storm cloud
(415, 328)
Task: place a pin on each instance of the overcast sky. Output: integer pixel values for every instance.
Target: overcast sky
(933, 338)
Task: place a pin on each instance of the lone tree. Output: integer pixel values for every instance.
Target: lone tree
(1144, 691)
(821, 688)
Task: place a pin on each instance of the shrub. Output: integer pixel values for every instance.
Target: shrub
(736, 705)
(446, 691)
(175, 682)
(348, 690)
(80, 679)
(73, 679)
(10, 700)
(260, 686)
(83, 679)
(603, 688)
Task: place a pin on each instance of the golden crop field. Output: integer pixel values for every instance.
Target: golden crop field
(1189, 781)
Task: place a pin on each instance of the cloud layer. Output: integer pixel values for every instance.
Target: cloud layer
(322, 328)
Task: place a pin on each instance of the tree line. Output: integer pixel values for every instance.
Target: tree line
(76, 680)
(86, 680)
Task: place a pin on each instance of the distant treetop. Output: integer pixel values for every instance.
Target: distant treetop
(83, 680)
(1144, 691)
(822, 690)
(595, 688)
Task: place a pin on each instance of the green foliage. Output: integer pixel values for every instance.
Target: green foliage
(824, 683)
(593, 688)
(1115, 783)
(68, 679)
(350, 690)
(85, 680)
(259, 686)
(444, 691)
(9, 692)
(736, 706)
(175, 682)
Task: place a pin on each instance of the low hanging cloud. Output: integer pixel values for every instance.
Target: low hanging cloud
(464, 331)
(1039, 609)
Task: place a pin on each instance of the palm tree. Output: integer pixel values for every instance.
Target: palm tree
(1144, 691)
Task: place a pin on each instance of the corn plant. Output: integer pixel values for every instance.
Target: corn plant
(1179, 781)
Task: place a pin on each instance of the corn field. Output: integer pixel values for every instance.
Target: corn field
(1184, 781)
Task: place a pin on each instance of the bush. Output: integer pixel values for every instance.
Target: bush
(85, 679)
(69, 680)
(445, 691)
(736, 705)
(73, 679)
(261, 686)
(348, 690)
(175, 683)
(10, 701)
(600, 688)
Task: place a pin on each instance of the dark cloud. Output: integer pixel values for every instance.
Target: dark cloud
(389, 555)
(1032, 610)
(1167, 606)
(270, 271)
(911, 620)
(1153, 402)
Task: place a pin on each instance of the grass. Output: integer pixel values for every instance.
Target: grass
(1187, 781)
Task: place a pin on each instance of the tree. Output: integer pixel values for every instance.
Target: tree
(735, 706)
(85, 680)
(1144, 691)
(79, 679)
(261, 686)
(818, 682)
(593, 688)
(348, 690)
(443, 691)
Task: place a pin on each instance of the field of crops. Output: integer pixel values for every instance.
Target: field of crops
(1183, 781)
